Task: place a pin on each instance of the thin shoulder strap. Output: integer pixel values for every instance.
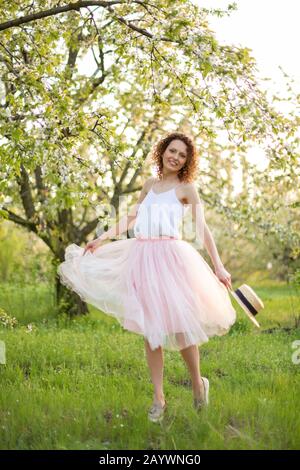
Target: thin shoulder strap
(153, 183)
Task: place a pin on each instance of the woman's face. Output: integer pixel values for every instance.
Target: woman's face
(175, 155)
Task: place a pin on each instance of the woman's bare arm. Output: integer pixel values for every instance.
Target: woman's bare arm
(122, 225)
(202, 229)
(205, 235)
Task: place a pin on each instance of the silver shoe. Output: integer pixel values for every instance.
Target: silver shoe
(198, 403)
(156, 412)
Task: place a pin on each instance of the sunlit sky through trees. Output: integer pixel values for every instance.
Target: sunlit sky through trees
(271, 29)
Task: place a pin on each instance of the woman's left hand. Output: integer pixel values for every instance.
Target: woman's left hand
(224, 276)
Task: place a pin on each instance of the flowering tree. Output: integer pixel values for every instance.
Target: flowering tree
(87, 86)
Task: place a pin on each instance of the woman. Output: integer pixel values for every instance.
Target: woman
(157, 284)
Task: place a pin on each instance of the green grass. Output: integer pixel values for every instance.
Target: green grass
(84, 384)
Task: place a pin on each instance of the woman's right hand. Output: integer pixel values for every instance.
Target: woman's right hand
(92, 246)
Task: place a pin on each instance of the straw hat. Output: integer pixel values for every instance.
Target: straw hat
(249, 301)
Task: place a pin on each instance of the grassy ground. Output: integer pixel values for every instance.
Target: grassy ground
(85, 384)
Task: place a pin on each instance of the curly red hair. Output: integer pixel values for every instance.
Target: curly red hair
(188, 172)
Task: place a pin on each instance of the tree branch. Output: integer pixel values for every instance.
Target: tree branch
(90, 226)
(76, 6)
(25, 193)
(19, 220)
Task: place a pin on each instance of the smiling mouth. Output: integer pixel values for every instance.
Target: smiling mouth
(172, 163)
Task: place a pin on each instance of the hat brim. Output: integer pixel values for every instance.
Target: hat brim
(249, 314)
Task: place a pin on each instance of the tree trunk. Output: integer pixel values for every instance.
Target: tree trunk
(68, 301)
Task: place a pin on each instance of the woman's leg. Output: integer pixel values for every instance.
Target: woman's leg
(155, 361)
(191, 357)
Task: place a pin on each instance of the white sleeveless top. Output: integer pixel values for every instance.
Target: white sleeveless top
(159, 214)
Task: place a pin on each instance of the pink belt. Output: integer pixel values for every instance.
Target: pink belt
(163, 237)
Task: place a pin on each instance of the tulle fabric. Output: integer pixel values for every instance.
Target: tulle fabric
(162, 289)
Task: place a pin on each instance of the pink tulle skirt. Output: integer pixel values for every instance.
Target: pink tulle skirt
(162, 289)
